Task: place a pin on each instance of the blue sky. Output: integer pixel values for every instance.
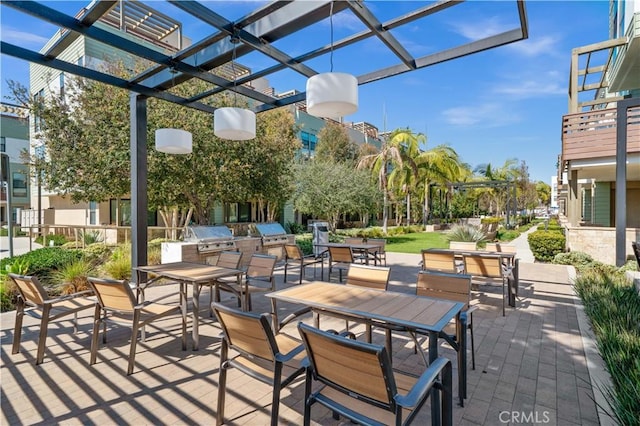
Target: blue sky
(503, 103)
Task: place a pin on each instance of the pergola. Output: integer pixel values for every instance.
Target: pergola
(262, 32)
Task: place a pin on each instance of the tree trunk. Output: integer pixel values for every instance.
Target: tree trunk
(408, 209)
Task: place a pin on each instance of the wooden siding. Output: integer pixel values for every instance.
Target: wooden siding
(593, 134)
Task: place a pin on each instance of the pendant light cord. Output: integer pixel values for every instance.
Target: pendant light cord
(331, 24)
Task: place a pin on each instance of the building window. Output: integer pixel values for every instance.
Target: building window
(120, 213)
(309, 141)
(92, 212)
(19, 184)
(37, 118)
(3, 144)
(61, 84)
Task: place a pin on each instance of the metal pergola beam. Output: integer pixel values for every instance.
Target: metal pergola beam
(40, 59)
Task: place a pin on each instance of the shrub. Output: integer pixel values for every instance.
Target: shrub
(119, 267)
(72, 277)
(545, 245)
(296, 228)
(507, 234)
(613, 306)
(97, 253)
(492, 220)
(45, 240)
(91, 237)
(42, 262)
(466, 232)
(306, 243)
(579, 259)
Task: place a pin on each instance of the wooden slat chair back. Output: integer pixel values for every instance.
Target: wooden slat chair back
(443, 261)
(226, 259)
(368, 276)
(450, 286)
(116, 301)
(360, 384)
(482, 266)
(34, 300)
(500, 248)
(295, 257)
(462, 245)
(271, 359)
(340, 258)
(376, 277)
(258, 278)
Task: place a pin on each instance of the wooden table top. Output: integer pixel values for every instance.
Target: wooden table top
(189, 271)
(405, 310)
(472, 252)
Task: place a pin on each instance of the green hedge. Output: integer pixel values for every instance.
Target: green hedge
(545, 245)
(42, 262)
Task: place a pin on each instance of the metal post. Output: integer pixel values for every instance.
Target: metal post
(6, 177)
(621, 178)
(138, 147)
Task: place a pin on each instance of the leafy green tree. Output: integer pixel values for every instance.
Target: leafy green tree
(329, 190)
(93, 119)
(543, 191)
(335, 145)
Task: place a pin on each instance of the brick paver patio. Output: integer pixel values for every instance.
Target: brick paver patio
(530, 366)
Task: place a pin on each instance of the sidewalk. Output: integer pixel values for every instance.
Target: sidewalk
(522, 246)
(20, 246)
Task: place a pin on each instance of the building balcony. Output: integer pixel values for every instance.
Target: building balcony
(625, 72)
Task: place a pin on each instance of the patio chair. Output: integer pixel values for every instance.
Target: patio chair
(226, 259)
(483, 266)
(271, 359)
(381, 255)
(258, 278)
(462, 245)
(294, 257)
(340, 258)
(455, 287)
(117, 302)
(34, 300)
(370, 277)
(358, 381)
(442, 261)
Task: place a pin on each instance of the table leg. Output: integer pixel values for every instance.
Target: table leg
(183, 305)
(435, 396)
(196, 313)
(461, 329)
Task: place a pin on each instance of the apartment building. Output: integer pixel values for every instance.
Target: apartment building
(601, 128)
(15, 187)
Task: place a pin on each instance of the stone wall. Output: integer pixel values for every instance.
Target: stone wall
(599, 242)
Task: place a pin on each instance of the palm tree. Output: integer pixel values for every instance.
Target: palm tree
(508, 171)
(391, 155)
(403, 179)
(441, 165)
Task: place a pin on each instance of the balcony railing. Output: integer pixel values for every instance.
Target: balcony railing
(592, 134)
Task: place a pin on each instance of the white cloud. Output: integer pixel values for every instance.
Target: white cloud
(550, 83)
(481, 29)
(536, 46)
(486, 115)
(11, 35)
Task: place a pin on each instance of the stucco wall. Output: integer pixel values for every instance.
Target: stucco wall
(599, 242)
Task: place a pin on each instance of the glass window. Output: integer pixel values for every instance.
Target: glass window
(3, 144)
(19, 184)
(120, 212)
(61, 84)
(92, 212)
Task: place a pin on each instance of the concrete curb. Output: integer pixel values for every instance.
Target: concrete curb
(598, 374)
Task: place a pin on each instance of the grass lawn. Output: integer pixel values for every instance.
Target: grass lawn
(414, 243)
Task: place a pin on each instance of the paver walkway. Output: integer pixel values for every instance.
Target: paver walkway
(530, 366)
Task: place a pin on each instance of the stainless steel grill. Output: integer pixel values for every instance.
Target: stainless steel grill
(210, 239)
(273, 234)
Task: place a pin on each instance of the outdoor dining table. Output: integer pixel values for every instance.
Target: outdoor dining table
(509, 258)
(363, 248)
(415, 314)
(185, 273)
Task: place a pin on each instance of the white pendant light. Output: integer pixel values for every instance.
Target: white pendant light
(237, 124)
(332, 94)
(173, 141)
